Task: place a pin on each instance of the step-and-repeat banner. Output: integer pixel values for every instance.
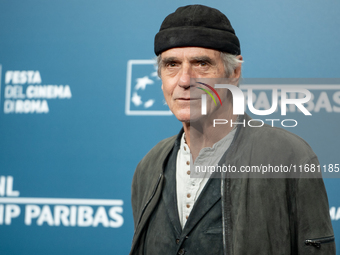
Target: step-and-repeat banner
(81, 104)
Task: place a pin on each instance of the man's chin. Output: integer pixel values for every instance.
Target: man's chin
(190, 119)
(183, 117)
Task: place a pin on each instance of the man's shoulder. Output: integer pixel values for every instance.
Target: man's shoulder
(276, 134)
(162, 147)
(156, 156)
(277, 142)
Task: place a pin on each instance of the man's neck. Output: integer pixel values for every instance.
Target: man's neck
(202, 133)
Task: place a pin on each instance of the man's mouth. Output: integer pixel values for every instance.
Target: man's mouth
(187, 98)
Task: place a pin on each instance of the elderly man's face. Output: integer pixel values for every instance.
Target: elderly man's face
(178, 66)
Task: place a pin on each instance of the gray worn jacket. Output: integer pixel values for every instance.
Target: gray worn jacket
(260, 215)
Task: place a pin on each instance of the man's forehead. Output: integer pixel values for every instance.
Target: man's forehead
(190, 52)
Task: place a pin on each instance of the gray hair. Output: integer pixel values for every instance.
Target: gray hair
(230, 63)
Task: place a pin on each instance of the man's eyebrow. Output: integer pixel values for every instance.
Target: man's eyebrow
(203, 59)
(168, 60)
(193, 59)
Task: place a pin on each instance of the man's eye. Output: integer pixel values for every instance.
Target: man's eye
(171, 64)
(202, 63)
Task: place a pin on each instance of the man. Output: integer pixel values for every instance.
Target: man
(176, 214)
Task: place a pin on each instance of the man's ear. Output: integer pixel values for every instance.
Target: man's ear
(162, 86)
(237, 71)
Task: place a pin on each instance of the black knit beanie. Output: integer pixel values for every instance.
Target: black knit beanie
(200, 26)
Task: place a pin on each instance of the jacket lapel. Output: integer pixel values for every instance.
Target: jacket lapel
(169, 194)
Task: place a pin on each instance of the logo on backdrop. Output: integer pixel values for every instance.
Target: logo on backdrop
(334, 213)
(57, 211)
(323, 97)
(24, 92)
(144, 95)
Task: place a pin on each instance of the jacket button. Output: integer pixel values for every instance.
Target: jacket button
(181, 252)
(177, 241)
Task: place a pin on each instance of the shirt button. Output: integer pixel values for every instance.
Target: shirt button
(193, 184)
(185, 148)
(177, 241)
(181, 252)
(188, 195)
(187, 217)
(188, 206)
(188, 162)
(188, 172)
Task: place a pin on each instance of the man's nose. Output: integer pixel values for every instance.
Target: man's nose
(185, 76)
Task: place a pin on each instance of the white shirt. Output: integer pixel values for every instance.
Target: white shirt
(188, 189)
